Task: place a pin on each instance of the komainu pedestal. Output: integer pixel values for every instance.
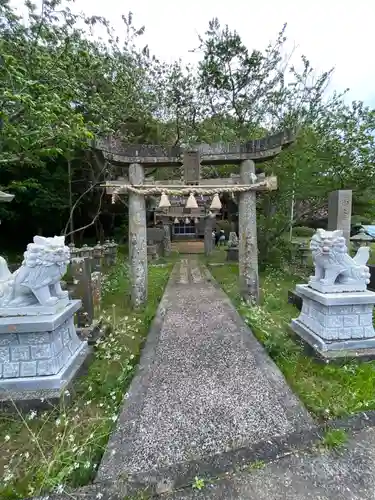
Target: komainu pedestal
(336, 316)
(40, 351)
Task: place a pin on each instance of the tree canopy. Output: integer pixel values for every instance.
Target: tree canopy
(61, 85)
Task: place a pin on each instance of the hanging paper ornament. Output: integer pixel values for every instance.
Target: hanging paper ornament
(176, 221)
(191, 202)
(216, 203)
(187, 220)
(164, 201)
(114, 196)
(196, 220)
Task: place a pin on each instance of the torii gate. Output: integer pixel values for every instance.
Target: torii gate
(136, 157)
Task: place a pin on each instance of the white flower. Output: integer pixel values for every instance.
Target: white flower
(7, 438)
(114, 418)
(57, 421)
(59, 488)
(31, 415)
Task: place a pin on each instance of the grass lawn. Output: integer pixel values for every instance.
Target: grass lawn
(41, 452)
(327, 390)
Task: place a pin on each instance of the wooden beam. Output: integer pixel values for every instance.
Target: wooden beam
(258, 150)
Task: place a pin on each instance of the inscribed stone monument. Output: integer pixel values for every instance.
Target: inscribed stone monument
(340, 212)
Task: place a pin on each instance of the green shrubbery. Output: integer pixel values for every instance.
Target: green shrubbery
(303, 231)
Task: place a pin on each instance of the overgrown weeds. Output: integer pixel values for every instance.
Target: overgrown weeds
(45, 451)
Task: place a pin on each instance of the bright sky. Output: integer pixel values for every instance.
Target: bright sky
(329, 32)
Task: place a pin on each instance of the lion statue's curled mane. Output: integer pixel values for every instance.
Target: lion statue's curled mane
(37, 281)
(333, 264)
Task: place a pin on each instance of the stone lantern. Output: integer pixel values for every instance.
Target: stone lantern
(361, 239)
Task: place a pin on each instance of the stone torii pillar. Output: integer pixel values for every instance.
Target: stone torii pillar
(248, 242)
(137, 238)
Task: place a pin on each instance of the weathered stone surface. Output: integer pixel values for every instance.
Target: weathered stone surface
(233, 240)
(192, 167)
(248, 243)
(167, 245)
(204, 386)
(80, 269)
(340, 212)
(137, 239)
(214, 154)
(96, 284)
(97, 258)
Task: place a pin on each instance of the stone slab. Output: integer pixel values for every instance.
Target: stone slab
(36, 310)
(40, 323)
(320, 287)
(334, 350)
(336, 299)
(204, 386)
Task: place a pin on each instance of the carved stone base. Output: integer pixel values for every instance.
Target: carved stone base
(336, 324)
(358, 286)
(34, 310)
(39, 353)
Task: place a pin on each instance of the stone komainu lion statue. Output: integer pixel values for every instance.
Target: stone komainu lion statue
(333, 264)
(37, 281)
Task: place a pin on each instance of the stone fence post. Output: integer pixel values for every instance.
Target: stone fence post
(114, 249)
(82, 289)
(107, 254)
(97, 253)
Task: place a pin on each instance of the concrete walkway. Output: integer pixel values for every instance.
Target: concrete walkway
(204, 390)
(345, 474)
